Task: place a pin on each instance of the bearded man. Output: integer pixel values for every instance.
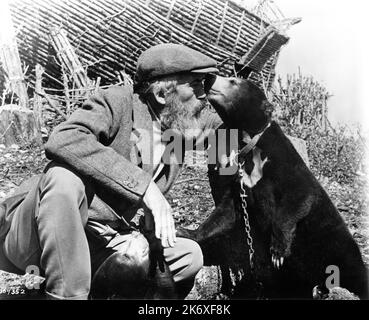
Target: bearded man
(107, 162)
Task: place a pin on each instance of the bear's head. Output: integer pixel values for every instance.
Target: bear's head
(240, 103)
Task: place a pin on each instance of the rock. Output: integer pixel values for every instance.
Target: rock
(17, 126)
(14, 286)
(336, 293)
(14, 147)
(301, 148)
(207, 284)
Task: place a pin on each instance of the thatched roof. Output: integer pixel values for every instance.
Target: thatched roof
(109, 35)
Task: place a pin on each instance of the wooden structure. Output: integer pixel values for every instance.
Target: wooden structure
(67, 56)
(10, 60)
(17, 123)
(108, 36)
(100, 40)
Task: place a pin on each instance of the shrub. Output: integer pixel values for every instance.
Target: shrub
(301, 109)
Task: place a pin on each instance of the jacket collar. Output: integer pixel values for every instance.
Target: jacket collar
(142, 133)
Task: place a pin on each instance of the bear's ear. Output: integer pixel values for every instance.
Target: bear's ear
(267, 108)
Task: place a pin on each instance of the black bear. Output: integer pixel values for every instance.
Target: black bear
(300, 235)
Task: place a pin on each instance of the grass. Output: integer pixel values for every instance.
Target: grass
(191, 201)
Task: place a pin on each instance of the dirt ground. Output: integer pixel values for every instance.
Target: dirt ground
(191, 201)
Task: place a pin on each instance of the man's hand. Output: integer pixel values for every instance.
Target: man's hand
(162, 214)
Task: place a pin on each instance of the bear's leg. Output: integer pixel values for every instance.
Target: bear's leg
(284, 221)
(281, 241)
(221, 220)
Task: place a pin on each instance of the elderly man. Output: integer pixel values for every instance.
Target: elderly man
(78, 212)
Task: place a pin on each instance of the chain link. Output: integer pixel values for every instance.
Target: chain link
(243, 196)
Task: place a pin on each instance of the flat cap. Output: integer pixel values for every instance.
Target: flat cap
(167, 59)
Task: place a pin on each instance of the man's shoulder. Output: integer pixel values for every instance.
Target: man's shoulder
(117, 91)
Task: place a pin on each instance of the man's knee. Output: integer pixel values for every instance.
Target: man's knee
(185, 259)
(59, 179)
(61, 187)
(134, 247)
(63, 181)
(196, 260)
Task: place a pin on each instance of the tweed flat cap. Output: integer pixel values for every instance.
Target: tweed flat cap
(167, 59)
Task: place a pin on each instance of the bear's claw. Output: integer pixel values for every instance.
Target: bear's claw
(277, 261)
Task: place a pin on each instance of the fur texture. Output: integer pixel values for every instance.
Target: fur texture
(297, 230)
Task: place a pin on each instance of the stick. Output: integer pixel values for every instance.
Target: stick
(51, 77)
(111, 17)
(50, 102)
(6, 130)
(66, 92)
(37, 107)
(191, 179)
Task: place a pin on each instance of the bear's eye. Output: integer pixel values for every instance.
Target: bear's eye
(233, 82)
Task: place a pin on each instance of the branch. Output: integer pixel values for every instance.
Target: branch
(191, 179)
(6, 130)
(51, 77)
(97, 22)
(111, 17)
(50, 102)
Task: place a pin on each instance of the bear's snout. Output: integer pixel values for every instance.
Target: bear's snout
(209, 82)
(216, 85)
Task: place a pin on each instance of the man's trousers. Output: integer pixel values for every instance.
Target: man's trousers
(49, 228)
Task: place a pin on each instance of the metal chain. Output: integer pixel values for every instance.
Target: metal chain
(243, 196)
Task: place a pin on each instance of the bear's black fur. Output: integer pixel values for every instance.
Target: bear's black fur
(292, 218)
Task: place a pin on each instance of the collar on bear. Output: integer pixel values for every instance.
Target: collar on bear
(251, 145)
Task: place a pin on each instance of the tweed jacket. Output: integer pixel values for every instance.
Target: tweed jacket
(99, 141)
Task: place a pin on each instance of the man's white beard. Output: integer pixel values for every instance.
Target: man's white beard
(182, 117)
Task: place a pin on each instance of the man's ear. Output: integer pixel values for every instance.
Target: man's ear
(159, 97)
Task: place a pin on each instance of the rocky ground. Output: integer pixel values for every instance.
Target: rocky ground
(191, 201)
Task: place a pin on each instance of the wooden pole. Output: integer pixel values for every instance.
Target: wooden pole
(37, 101)
(9, 56)
(68, 57)
(225, 9)
(198, 13)
(172, 3)
(239, 31)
